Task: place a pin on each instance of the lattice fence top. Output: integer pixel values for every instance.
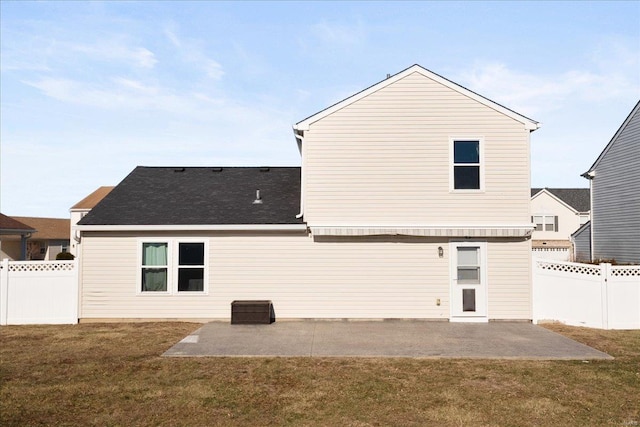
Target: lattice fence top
(626, 271)
(569, 267)
(34, 266)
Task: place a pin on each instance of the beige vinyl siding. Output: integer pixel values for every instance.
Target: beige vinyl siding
(345, 278)
(385, 159)
(365, 277)
(509, 268)
(568, 219)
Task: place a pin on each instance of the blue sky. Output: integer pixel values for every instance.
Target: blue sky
(91, 90)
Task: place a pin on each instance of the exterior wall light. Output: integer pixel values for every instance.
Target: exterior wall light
(440, 252)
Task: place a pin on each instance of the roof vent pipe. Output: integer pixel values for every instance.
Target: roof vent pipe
(258, 200)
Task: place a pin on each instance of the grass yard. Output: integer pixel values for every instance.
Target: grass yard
(112, 374)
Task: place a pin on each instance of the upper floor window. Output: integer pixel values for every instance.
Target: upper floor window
(467, 166)
(545, 222)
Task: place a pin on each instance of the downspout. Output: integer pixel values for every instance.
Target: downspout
(590, 176)
(23, 245)
(300, 140)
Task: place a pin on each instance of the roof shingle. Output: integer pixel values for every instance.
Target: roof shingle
(47, 228)
(201, 196)
(93, 199)
(578, 198)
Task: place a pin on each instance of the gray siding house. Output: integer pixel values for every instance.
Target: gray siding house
(582, 243)
(615, 195)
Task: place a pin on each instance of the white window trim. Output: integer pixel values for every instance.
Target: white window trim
(480, 140)
(173, 254)
(554, 219)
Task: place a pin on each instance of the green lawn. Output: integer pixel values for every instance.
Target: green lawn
(112, 374)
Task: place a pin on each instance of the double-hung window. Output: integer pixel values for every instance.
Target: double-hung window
(172, 266)
(545, 222)
(191, 267)
(155, 266)
(467, 166)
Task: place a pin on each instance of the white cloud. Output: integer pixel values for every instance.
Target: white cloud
(613, 76)
(192, 52)
(340, 34)
(120, 94)
(115, 50)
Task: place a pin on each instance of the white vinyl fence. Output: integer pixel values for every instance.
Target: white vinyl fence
(38, 292)
(597, 296)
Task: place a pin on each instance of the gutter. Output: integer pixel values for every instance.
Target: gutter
(203, 227)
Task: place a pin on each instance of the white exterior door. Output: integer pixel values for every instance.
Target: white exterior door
(468, 281)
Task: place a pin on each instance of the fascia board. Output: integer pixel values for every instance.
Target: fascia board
(206, 227)
(558, 199)
(14, 231)
(528, 123)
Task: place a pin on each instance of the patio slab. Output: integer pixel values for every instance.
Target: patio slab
(389, 338)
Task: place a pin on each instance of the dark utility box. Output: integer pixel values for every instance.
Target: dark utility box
(252, 313)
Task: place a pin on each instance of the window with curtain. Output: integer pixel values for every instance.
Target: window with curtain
(155, 267)
(466, 165)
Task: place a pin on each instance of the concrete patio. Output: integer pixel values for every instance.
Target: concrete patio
(388, 338)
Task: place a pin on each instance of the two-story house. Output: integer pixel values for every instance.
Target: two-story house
(614, 230)
(49, 237)
(557, 213)
(412, 201)
(80, 209)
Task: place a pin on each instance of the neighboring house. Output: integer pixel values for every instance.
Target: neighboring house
(412, 201)
(80, 209)
(13, 238)
(50, 238)
(557, 212)
(615, 197)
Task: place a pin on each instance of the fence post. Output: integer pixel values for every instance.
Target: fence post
(4, 291)
(605, 270)
(76, 284)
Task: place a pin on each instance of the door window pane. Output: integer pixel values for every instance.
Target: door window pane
(468, 256)
(468, 267)
(468, 275)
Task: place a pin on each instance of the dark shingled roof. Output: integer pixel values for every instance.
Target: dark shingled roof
(578, 198)
(201, 196)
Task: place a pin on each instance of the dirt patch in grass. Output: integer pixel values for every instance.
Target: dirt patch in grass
(112, 374)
